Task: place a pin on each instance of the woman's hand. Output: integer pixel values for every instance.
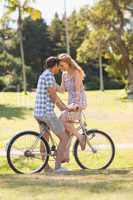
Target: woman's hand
(59, 88)
(73, 108)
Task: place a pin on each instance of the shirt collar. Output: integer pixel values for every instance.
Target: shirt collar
(48, 70)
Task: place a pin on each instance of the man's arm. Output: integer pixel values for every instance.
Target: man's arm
(56, 99)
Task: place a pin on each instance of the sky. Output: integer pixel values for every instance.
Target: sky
(49, 7)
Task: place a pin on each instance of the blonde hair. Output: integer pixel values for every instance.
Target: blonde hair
(72, 63)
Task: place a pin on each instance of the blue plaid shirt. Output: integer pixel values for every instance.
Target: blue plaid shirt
(43, 102)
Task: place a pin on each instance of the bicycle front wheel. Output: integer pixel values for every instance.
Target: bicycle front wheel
(99, 151)
(27, 153)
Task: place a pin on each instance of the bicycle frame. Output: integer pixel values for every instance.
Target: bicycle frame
(82, 125)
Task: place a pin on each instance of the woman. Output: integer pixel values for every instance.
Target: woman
(72, 82)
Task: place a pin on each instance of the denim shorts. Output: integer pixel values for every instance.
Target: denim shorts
(50, 122)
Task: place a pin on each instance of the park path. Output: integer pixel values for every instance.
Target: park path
(117, 146)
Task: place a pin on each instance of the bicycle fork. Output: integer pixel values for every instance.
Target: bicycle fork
(88, 141)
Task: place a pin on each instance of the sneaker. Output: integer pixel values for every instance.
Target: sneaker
(48, 169)
(62, 169)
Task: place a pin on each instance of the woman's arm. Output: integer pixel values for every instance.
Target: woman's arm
(61, 88)
(78, 82)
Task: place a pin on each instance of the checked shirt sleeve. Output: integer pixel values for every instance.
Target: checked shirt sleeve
(50, 81)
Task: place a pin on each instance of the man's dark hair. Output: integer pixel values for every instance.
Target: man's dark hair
(51, 61)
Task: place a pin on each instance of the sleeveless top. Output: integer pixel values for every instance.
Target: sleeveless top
(69, 86)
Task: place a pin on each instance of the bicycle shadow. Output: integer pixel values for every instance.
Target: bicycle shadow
(87, 172)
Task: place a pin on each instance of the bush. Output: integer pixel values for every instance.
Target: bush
(10, 88)
(91, 85)
(9, 83)
(114, 84)
(108, 84)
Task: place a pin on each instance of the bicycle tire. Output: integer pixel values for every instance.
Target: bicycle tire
(18, 136)
(77, 156)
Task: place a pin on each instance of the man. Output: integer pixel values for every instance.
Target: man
(46, 98)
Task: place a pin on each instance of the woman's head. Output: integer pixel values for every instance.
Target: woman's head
(68, 64)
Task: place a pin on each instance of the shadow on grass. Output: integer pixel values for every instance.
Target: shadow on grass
(125, 99)
(93, 184)
(4, 167)
(12, 111)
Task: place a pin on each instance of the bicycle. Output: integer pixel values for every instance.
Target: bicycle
(25, 156)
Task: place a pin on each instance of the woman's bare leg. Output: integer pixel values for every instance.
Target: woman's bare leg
(73, 131)
(69, 126)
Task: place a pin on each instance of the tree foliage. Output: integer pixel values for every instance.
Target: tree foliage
(104, 29)
(110, 34)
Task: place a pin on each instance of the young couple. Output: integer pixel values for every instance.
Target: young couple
(46, 99)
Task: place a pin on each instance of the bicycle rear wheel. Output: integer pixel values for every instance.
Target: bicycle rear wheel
(99, 152)
(24, 154)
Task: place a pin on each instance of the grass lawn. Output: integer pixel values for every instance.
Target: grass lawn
(74, 186)
(107, 111)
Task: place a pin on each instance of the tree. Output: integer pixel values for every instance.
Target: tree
(10, 68)
(22, 7)
(77, 29)
(38, 47)
(124, 46)
(111, 27)
(57, 33)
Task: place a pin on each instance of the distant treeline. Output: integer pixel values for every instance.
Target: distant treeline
(92, 33)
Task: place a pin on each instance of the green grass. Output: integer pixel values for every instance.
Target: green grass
(78, 185)
(108, 111)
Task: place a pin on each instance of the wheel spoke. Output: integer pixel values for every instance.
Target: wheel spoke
(24, 154)
(99, 151)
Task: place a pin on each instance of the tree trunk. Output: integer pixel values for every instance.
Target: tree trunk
(22, 51)
(101, 73)
(130, 80)
(123, 47)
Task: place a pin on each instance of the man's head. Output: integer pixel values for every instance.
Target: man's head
(52, 64)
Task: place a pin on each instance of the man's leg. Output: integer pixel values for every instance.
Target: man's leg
(45, 131)
(66, 157)
(60, 150)
(42, 149)
(57, 127)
